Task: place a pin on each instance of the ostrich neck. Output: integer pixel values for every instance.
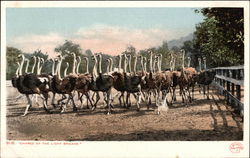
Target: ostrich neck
(200, 65)
(78, 64)
(145, 66)
(151, 62)
(108, 66)
(33, 68)
(21, 67)
(100, 64)
(74, 64)
(18, 68)
(120, 63)
(111, 65)
(159, 64)
(174, 64)
(53, 67)
(59, 69)
(142, 66)
(87, 66)
(66, 69)
(125, 64)
(171, 65)
(205, 66)
(189, 62)
(183, 59)
(38, 66)
(94, 72)
(41, 66)
(27, 65)
(129, 64)
(135, 63)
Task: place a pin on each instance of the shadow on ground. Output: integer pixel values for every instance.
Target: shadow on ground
(220, 134)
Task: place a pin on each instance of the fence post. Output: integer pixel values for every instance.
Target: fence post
(238, 88)
(228, 88)
(233, 76)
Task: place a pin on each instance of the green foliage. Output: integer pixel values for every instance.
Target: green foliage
(12, 59)
(65, 49)
(220, 37)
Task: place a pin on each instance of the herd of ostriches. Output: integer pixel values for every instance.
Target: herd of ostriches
(142, 84)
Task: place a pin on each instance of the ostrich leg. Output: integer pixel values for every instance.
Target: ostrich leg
(80, 98)
(45, 97)
(97, 99)
(63, 98)
(108, 101)
(208, 92)
(53, 100)
(193, 92)
(138, 100)
(88, 100)
(71, 97)
(128, 100)
(28, 105)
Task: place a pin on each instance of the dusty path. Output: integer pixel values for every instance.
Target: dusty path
(203, 120)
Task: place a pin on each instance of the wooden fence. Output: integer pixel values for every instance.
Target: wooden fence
(230, 82)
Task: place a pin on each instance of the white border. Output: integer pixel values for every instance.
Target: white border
(132, 148)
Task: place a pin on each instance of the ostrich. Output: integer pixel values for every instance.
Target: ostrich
(133, 85)
(101, 82)
(118, 83)
(192, 77)
(183, 80)
(205, 78)
(153, 80)
(64, 86)
(31, 84)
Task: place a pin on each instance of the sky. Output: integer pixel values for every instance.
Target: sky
(107, 30)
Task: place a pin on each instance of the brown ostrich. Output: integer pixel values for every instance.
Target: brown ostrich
(119, 83)
(64, 86)
(82, 84)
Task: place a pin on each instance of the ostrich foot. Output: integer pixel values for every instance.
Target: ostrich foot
(74, 108)
(93, 108)
(24, 114)
(108, 113)
(48, 111)
(54, 105)
(63, 110)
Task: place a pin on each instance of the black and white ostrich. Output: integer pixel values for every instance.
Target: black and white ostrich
(101, 83)
(132, 83)
(205, 77)
(29, 84)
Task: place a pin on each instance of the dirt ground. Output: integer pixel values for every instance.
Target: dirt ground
(202, 120)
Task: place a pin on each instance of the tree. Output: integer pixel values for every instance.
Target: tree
(65, 49)
(220, 37)
(12, 59)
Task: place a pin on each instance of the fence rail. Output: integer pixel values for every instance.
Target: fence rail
(230, 81)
